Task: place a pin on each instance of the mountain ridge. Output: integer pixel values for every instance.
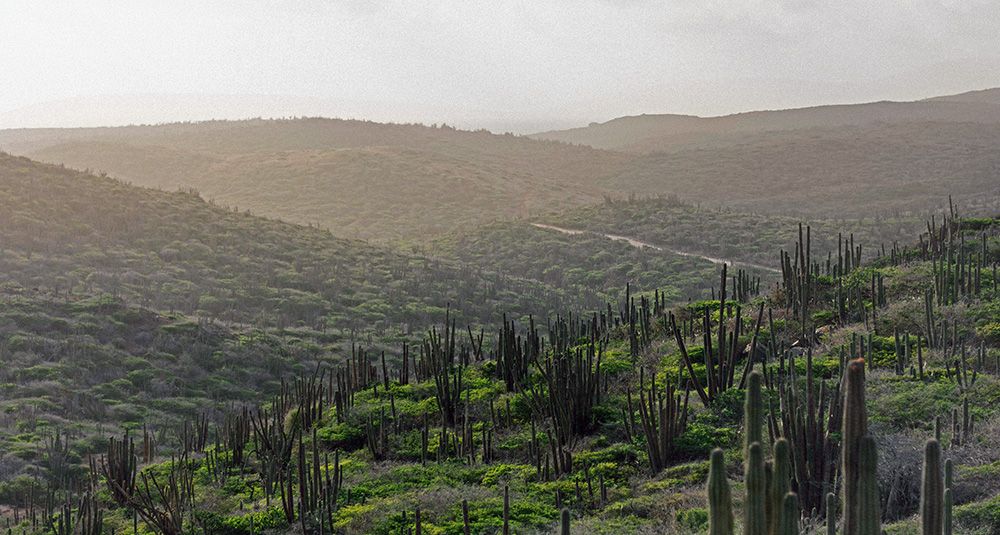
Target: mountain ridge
(651, 132)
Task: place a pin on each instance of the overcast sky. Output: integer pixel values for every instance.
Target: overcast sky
(502, 65)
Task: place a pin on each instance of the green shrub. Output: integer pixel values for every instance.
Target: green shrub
(695, 519)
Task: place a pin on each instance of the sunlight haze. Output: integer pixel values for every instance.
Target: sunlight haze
(520, 66)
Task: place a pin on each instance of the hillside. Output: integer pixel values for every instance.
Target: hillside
(615, 424)
(578, 263)
(654, 132)
(82, 366)
(733, 235)
(984, 96)
(359, 179)
(676, 246)
(78, 234)
(411, 184)
(849, 172)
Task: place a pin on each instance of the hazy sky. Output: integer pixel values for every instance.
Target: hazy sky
(502, 65)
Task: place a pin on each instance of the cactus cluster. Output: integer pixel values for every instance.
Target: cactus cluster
(771, 506)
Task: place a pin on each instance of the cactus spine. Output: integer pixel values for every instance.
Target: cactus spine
(720, 502)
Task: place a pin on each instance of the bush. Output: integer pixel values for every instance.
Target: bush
(695, 519)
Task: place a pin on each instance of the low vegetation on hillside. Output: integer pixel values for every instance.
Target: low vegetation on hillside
(734, 235)
(852, 171)
(77, 234)
(359, 179)
(405, 183)
(579, 263)
(86, 368)
(605, 422)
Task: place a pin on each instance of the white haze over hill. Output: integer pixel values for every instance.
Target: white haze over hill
(519, 66)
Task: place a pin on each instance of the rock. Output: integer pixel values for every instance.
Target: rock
(823, 331)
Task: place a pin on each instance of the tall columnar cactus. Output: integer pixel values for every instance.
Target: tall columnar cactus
(119, 469)
(789, 515)
(948, 501)
(831, 514)
(753, 413)
(720, 501)
(754, 518)
(564, 522)
(506, 510)
(932, 491)
(466, 528)
(869, 516)
(949, 471)
(780, 486)
(855, 426)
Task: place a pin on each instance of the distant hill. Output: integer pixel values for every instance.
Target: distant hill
(359, 179)
(858, 171)
(410, 184)
(987, 96)
(649, 133)
(71, 234)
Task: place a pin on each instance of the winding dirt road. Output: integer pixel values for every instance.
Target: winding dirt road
(644, 245)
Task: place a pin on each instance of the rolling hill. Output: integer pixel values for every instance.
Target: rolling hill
(398, 183)
(72, 234)
(125, 306)
(665, 132)
(833, 172)
(359, 179)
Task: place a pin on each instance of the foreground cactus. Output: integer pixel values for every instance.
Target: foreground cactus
(948, 500)
(869, 517)
(790, 515)
(932, 491)
(720, 502)
(855, 426)
(769, 506)
(754, 519)
(831, 514)
(753, 413)
(780, 486)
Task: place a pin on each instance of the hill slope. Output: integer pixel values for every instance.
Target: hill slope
(411, 183)
(74, 233)
(646, 133)
(833, 172)
(732, 235)
(987, 96)
(359, 179)
(579, 263)
(376, 460)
